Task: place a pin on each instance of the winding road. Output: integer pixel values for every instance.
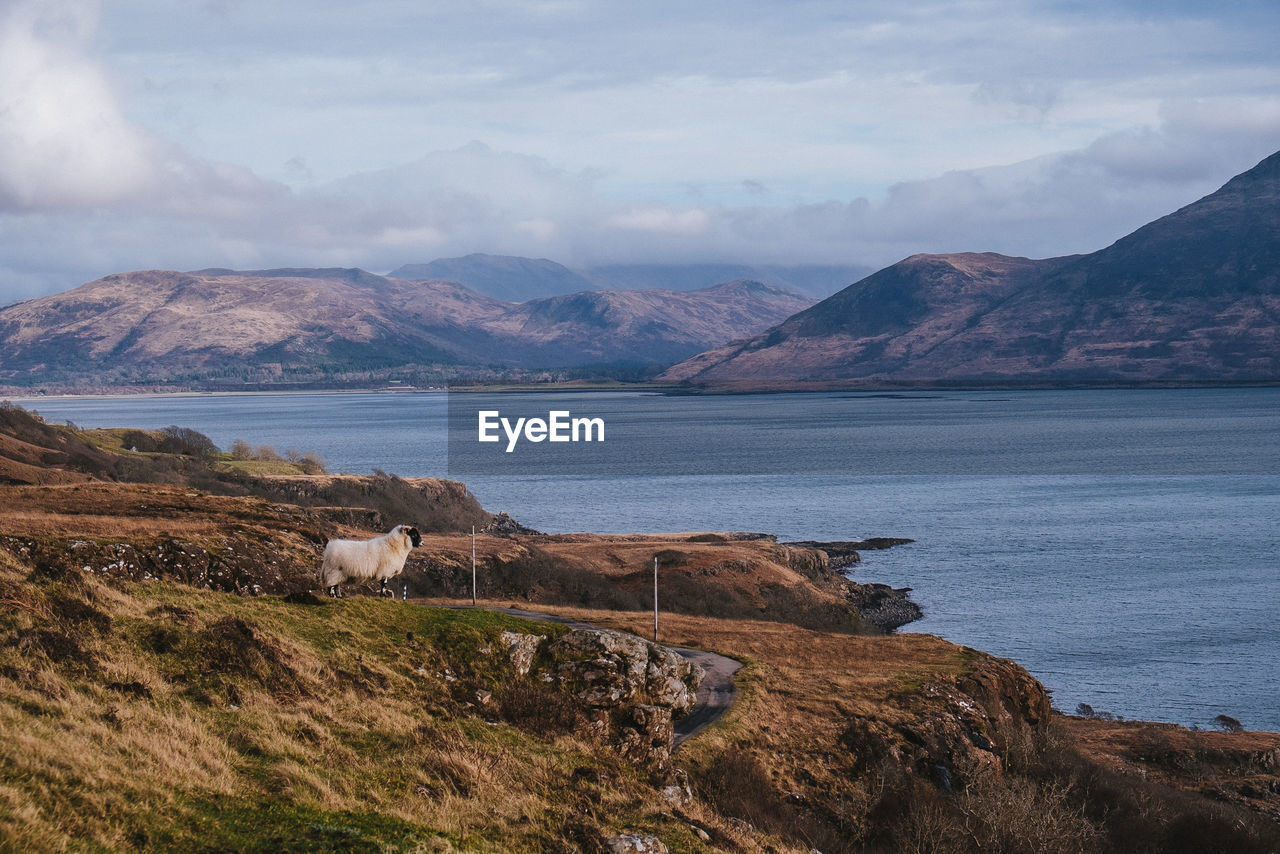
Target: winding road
(715, 695)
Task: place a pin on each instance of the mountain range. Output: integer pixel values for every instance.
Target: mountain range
(516, 279)
(1193, 297)
(308, 324)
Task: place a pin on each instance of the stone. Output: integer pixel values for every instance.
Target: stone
(634, 687)
(676, 796)
(598, 682)
(679, 793)
(672, 680)
(648, 736)
(626, 653)
(522, 648)
(630, 843)
(606, 668)
(504, 525)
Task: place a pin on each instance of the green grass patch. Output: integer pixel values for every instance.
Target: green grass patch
(260, 825)
(153, 716)
(260, 468)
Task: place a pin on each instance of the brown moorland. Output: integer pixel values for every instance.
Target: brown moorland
(162, 698)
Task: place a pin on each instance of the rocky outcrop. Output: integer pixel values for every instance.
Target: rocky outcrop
(232, 563)
(630, 843)
(502, 524)
(961, 726)
(646, 735)
(633, 688)
(605, 668)
(884, 607)
(887, 608)
(522, 648)
(845, 553)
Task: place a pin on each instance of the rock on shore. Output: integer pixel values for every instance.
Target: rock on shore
(887, 608)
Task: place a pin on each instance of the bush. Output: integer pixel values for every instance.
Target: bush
(310, 463)
(140, 440)
(739, 786)
(186, 441)
(1229, 723)
(538, 708)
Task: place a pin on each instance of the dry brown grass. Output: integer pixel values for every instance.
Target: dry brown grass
(1234, 767)
(83, 509)
(151, 715)
(781, 760)
(40, 523)
(797, 692)
(132, 737)
(739, 579)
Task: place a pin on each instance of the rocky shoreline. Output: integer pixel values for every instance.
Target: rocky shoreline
(845, 553)
(887, 608)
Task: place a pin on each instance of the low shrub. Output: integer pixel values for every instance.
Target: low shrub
(538, 708)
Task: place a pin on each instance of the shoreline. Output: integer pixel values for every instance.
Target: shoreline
(656, 389)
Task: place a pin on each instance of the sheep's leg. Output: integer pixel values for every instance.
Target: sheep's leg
(385, 591)
(333, 591)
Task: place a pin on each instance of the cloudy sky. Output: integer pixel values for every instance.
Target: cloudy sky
(252, 133)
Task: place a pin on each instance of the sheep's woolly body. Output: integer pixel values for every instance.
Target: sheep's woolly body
(380, 558)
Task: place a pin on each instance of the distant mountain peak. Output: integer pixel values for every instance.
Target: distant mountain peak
(746, 286)
(517, 279)
(1191, 297)
(506, 277)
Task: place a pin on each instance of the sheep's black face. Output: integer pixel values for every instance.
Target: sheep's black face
(414, 536)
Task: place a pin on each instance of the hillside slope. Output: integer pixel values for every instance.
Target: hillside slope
(155, 695)
(136, 510)
(299, 324)
(1191, 297)
(655, 326)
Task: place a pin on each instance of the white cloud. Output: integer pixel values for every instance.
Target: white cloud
(247, 135)
(540, 228)
(63, 139)
(686, 223)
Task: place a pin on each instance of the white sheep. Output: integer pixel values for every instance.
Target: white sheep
(381, 558)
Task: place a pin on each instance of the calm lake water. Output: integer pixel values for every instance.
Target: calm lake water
(1122, 545)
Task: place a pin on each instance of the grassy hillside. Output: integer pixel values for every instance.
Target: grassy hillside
(908, 743)
(155, 716)
(37, 453)
(183, 512)
(169, 681)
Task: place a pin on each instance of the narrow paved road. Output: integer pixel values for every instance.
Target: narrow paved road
(715, 695)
